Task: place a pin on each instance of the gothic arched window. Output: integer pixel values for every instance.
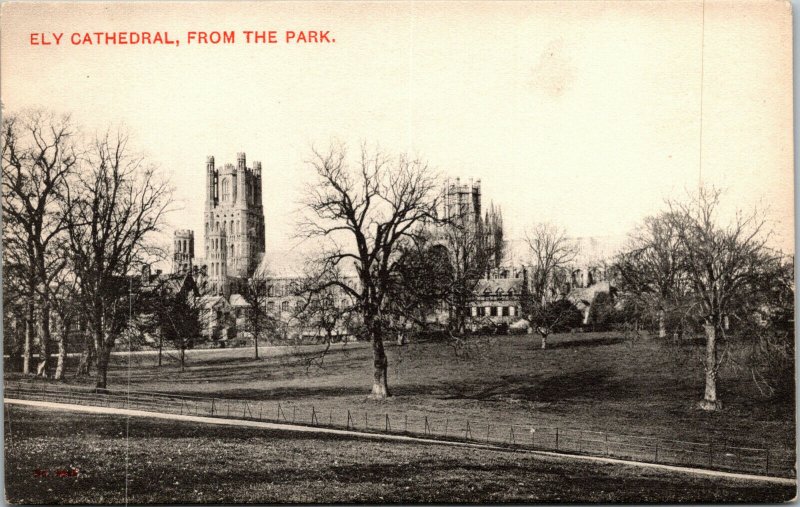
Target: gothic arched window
(285, 306)
(226, 189)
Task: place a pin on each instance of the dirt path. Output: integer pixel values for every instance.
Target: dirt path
(401, 438)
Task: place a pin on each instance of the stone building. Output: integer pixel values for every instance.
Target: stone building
(234, 251)
(233, 227)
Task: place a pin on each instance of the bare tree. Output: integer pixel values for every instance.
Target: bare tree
(258, 320)
(472, 251)
(115, 204)
(724, 265)
(365, 215)
(650, 272)
(39, 155)
(551, 253)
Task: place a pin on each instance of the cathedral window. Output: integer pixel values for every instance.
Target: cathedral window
(499, 293)
(285, 306)
(226, 190)
(511, 293)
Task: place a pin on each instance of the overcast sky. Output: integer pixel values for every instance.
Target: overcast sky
(587, 114)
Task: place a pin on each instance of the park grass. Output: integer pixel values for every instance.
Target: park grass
(589, 381)
(183, 462)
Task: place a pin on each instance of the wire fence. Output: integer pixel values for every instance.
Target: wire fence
(711, 455)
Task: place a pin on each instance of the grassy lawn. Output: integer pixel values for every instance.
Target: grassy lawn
(590, 381)
(174, 462)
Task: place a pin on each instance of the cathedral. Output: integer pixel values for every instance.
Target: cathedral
(234, 250)
(233, 228)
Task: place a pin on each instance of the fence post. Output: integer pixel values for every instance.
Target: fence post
(513, 438)
(533, 438)
(330, 417)
(656, 451)
(580, 441)
(468, 432)
(406, 424)
(426, 424)
(212, 406)
(488, 428)
(556, 437)
(313, 416)
(446, 424)
(388, 426)
(349, 419)
(294, 414)
(766, 465)
(606, 444)
(260, 410)
(366, 421)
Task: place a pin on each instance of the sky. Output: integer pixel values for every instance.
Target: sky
(586, 114)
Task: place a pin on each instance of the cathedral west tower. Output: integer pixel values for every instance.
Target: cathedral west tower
(234, 211)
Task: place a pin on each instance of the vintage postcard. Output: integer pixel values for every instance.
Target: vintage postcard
(398, 252)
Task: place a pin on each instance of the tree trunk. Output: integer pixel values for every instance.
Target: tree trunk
(87, 357)
(103, 355)
(183, 356)
(44, 341)
(662, 324)
(62, 353)
(710, 401)
(160, 346)
(255, 342)
(544, 340)
(29, 335)
(380, 385)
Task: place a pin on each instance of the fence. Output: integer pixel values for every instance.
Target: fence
(718, 456)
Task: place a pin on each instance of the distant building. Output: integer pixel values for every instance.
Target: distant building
(235, 251)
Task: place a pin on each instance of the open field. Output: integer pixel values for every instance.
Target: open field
(170, 462)
(590, 381)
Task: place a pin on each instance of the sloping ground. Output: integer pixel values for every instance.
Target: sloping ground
(176, 462)
(593, 381)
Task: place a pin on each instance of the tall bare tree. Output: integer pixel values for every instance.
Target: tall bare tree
(365, 214)
(725, 266)
(39, 155)
(551, 253)
(115, 205)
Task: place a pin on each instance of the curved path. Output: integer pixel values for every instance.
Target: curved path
(389, 437)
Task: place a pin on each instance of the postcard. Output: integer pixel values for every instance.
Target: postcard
(398, 252)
